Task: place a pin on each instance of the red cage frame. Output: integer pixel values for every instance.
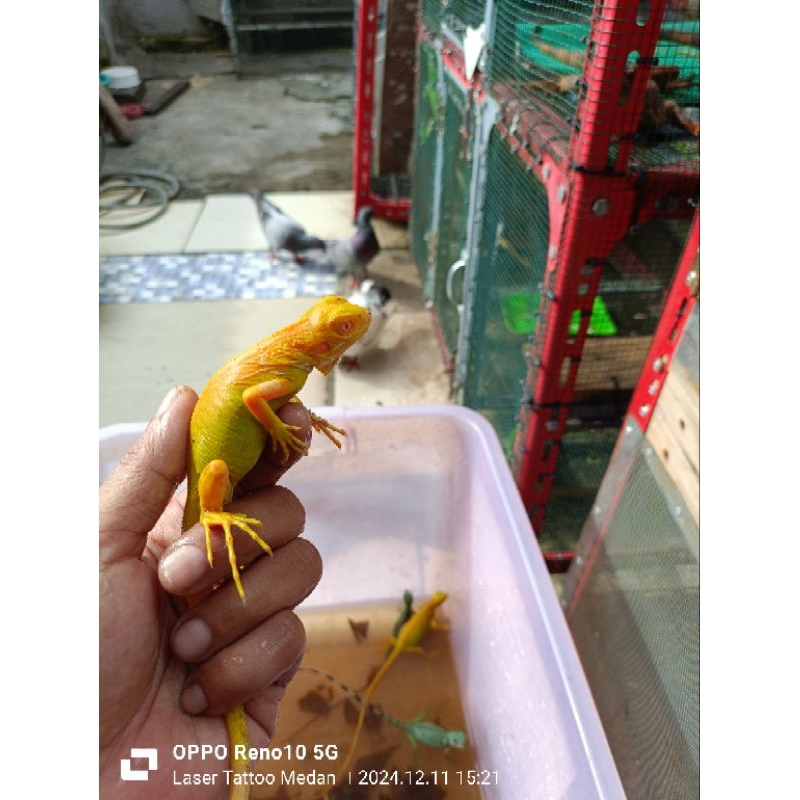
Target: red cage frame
(592, 208)
(680, 302)
(366, 48)
(682, 296)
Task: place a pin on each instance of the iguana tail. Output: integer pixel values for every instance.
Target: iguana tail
(236, 722)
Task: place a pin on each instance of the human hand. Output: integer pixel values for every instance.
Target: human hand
(239, 654)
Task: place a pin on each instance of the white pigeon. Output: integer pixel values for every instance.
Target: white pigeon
(375, 299)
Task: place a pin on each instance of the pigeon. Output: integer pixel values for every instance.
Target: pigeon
(283, 232)
(351, 256)
(374, 298)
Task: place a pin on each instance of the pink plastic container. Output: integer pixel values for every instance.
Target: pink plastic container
(422, 499)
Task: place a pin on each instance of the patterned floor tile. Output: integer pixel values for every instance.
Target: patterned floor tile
(208, 276)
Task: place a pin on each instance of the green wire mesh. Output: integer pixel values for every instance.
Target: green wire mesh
(431, 13)
(528, 37)
(636, 624)
(461, 14)
(459, 128)
(634, 287)
(510, 263)
(533, 61)
(538, 57)
(582, 462)
(455, 15)
(423, 162)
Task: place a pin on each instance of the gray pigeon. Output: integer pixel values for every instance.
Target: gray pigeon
(351, 256)
(283, 232)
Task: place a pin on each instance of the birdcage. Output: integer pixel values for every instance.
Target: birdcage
(507, 269)
(626, 310)
(454, 198)
(452, 17)
(625, 73)
(384, 106)
(587, 173)
(632, 592)
(253, 25)
(426, 155)
(442, 172)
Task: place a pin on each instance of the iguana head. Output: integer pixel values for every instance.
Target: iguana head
(328, 329)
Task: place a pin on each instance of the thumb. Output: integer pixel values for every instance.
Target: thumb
(136, 493)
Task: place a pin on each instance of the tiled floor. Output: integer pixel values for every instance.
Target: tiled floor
(215, 249)
(154, 333)
(207, 276)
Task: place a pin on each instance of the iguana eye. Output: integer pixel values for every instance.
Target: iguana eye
(346, 326)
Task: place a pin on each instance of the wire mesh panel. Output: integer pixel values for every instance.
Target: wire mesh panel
(424, 162)
(536, 47)
(584, 456)
(630, 300)
(539, 56)
(509, 266)
(458, 137)
(669, 125)
(638, 275)
(462, 14)
(632, 599)
(253, 16)
(431, 15)
(453, 16)
(578, 216)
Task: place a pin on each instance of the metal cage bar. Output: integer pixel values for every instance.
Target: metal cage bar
(679, 305)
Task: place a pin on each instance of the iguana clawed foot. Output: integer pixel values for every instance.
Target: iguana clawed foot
(323, 426)
(227, 521)
(283, 437)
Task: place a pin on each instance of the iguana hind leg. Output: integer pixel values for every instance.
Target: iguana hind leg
(214, 489)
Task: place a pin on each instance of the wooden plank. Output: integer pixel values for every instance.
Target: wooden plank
(674, 434)
(610, 363)
(117, 122)
(161, 93)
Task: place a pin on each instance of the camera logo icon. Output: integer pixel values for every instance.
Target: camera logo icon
(129, 774)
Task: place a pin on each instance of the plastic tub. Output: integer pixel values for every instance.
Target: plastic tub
(422, 499)
(120, 78)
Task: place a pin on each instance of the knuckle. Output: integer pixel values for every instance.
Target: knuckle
(308, 557)
(291, 506)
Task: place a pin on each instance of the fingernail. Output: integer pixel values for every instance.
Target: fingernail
(168, 400)
(194, 700)
(192, 639)
(182, 568)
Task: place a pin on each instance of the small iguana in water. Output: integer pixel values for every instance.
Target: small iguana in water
(408, 640)
(418, 730)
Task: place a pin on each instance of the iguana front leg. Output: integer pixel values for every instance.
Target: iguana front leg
(321, 425)
(214, 489)
(257, 399)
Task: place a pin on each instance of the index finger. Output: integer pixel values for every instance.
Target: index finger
(271, 465)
